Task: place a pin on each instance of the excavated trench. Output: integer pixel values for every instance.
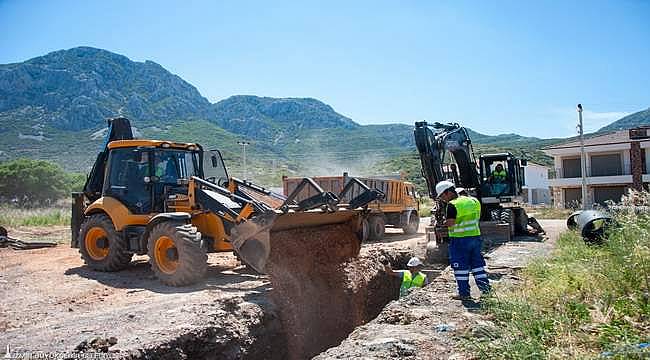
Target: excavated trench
(321, 291)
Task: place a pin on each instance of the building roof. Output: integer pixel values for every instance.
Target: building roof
(530, 163)
(613, 137)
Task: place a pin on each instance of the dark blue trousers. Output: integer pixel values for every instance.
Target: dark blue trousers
(465, 258)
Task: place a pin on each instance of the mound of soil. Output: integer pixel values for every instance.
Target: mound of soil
(323, 291)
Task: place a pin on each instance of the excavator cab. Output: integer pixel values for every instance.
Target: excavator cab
(502, 178)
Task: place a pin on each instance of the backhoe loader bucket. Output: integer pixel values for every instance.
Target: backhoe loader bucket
(254, 238)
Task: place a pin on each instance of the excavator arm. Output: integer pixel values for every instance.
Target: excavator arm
(434, 142)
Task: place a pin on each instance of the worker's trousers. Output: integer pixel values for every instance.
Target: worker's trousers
(465, 258)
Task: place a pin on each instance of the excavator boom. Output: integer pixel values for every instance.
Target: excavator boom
(433, 147)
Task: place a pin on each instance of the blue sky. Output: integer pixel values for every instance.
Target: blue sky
(494, 66)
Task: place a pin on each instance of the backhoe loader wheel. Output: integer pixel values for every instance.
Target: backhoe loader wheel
(176, 254)
(412, 226)
(101, 247)
(376, 227)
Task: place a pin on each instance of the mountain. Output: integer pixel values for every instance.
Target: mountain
(54, 107)
(79, 88)
(258, 117)
(630, 121)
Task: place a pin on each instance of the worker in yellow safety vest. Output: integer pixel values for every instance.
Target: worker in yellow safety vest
(499, 175)
(462, 216)
(411, 278)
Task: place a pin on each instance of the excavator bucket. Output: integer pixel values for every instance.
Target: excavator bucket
(254, 238)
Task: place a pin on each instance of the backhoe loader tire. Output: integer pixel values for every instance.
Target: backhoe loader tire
(101, 247)
(376, 227)
(176, 253)
(412, 226)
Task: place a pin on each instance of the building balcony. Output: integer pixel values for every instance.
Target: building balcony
(561, 178)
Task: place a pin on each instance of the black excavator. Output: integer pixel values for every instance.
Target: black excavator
(446, 153)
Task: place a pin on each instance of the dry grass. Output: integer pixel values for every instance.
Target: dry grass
(11, 216)
(37, 224)
(549, 213)
(586, 301)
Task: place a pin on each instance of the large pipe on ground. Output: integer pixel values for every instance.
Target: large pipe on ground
(591, 224)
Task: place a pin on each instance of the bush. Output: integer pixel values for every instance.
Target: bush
(31, 183)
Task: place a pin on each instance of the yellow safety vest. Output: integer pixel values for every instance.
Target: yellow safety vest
(499, 176)
(408, 281)
(468, 214)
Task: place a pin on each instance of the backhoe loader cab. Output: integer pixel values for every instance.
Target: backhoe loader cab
(175, 203)
(214, 168)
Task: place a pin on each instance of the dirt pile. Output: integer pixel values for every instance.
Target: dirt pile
(323, 291)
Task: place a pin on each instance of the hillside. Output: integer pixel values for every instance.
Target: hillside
(630, 121)
(78, 89)
(54, 107)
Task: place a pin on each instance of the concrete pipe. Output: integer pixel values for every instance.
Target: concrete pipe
(590, 223)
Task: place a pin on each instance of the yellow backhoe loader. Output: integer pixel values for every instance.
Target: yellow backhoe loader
(176, 202)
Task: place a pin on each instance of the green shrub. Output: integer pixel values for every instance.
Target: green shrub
(32, 183)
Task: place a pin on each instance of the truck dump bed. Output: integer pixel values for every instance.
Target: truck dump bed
(400, 195)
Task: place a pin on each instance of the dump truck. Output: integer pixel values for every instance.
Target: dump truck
(176, 202)
(398, 208)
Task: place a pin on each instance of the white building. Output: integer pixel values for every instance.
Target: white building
(615, 161)
(536, 184)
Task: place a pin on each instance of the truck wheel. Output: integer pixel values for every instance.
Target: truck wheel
(412, 226)
(101, 247)
(176, 254)
(376, 227)
(362, 234)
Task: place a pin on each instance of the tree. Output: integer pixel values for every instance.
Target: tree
(32, 182)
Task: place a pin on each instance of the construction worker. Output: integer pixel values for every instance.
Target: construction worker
(413, 277)
(462, 220)
(499, 175)
(461, 191)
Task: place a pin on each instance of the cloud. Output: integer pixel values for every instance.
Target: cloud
(595, 120)
(592, 120)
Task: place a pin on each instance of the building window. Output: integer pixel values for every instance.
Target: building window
(571, 168)
(605, 193)
(572, 198)
(606, 165)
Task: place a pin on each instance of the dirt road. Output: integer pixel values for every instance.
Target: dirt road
(52, 302)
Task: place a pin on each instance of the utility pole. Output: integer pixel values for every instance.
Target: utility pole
(583, 159)
(243, 145)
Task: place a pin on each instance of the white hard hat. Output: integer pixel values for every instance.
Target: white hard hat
(460, 190)
(414, 262)
(443, 186)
